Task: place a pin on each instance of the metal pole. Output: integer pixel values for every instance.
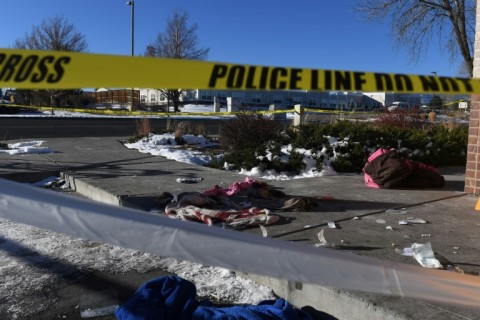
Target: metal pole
(133, 45)
(132, 4)
(133, 27)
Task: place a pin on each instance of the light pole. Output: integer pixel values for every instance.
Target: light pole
(434, 73)
(132, 4)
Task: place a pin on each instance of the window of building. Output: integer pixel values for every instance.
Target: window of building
(222, 96)
(163, 96)
(237, 94)
(153, 97)
(297, 100)
(256, 98)
(277, 99)
(206, 95)
(312, 102)
(143, 98)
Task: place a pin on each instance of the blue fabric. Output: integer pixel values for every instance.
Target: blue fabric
(163, 298)
(172, 297)
(266, 310)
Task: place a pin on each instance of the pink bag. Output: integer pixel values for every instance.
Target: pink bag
(368, 180)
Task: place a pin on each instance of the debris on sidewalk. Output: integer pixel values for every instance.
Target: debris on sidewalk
(332, 225)
(395, 211)
(321, 238)
(264, 231)
(423, 253)
(381, 221)
(412, 220)
(189, 180)
(226, 206)
(416, 220)
(455, 269)
(99, 303)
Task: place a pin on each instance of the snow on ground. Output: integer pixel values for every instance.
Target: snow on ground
(165, 145)
(30, 257)
(26, 147)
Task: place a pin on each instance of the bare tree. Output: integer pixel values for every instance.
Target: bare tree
(53, 34)
(178, 41)
(414, 22)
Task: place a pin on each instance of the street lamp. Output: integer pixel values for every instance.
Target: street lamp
(434, 73)
(132, 4)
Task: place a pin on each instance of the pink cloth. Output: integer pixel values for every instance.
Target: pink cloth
(368, 180)
(232, 190)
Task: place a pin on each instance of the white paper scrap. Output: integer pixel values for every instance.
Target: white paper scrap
(394, 211)
(321, 238)
(416, 220)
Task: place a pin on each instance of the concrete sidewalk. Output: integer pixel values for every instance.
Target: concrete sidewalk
(104, 170)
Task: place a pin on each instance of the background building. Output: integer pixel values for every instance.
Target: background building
(114, 98)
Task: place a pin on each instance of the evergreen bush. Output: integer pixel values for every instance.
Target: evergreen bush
(249, 138)
(248, 130)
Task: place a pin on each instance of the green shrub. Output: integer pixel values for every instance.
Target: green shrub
(248, 131)
(415, 140)
(309, 136)
(350, 158)
(319, 162)
(434, 145)
(245, 159)
(295, 162)
(448, 147)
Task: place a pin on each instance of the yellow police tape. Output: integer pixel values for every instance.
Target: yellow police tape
(111, 112)
(67, 70)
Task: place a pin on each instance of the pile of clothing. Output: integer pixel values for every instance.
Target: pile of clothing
(171, 297)
(388, 168)
(242, 204)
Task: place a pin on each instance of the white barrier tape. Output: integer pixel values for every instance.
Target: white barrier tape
(233, 250)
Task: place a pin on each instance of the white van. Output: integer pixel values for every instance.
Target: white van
(398, 105)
